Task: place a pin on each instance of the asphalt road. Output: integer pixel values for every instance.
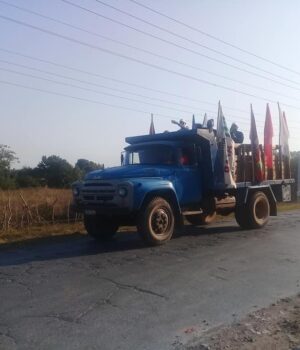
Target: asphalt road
(71, 293)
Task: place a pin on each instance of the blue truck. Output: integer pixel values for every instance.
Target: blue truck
(169, 178)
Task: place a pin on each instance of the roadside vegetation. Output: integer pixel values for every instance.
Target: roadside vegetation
(52, 171)
(39, 212)
(27, 213)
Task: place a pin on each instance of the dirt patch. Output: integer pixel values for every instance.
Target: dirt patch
(274, 328)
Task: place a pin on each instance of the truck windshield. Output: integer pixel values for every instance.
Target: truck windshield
(150, 154)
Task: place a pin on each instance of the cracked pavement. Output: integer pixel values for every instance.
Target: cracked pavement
(70, 292)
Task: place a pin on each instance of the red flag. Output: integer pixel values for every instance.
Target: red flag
(268, 136)
(256, 153)
(152, 130)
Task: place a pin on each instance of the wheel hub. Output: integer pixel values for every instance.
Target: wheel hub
(261, 210)
(160, 221)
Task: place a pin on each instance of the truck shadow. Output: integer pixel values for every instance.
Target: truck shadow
(75, 245)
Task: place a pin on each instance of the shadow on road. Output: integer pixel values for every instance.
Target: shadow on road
(67, 246)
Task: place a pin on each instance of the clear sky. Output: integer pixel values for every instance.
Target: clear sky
(36, 123)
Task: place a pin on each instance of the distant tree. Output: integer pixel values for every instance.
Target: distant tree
(85, 166)
(57, 172)
(7, 158)
(27, 177)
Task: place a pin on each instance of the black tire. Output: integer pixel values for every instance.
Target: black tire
(156, 222)
(241, 216)
(202, 219)
(255, 214)
(100, 228)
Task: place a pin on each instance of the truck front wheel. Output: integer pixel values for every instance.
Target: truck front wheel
(255, 214)
(156, 222)
(100, 228)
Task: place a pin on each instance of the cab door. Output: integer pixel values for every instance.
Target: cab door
(188, 182)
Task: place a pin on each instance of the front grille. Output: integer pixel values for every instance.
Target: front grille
(97, 184)
(98, 192)
(97, 198)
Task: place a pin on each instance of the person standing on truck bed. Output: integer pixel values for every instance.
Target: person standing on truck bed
(237, 136)
(210, 126)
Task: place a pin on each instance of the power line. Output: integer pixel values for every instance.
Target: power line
(82, 99)
(94, 84)
(95, 91)
(89, 100)
(190, 40)
(236, 118)
(103, 93)
(150, 52)
(116, 80)
(180, 46)
(140, 61)
(93, 74)
(215, 38)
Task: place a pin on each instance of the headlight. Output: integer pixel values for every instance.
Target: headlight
(123, 191)
(75, 191)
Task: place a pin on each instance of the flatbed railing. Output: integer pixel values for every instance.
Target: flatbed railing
(244, 164)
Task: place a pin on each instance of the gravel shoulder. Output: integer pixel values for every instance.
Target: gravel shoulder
(274, 327)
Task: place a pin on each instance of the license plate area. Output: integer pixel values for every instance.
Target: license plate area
(286, 193)
(90, 212)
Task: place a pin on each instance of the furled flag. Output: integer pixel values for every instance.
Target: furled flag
(193, 122)
(284, 143)
(268, 136)
(225, 151)
(152, 130)
(256, 152)
(283, 134)
(204, 124)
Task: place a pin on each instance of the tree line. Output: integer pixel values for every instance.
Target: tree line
(52, 171)
(56, 172)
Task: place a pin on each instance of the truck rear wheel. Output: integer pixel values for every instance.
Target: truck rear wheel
(255, 214)
(156, 222)
(99, 227)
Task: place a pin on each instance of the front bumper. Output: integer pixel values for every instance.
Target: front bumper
(98, 209)
(102, 197)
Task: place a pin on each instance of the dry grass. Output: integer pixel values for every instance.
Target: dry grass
(288, 206)
(25, 208)
(36, 212)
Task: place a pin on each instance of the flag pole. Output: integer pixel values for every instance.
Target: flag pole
(193, 122)
(152, 129)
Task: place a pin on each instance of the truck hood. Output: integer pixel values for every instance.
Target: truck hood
(131, 171)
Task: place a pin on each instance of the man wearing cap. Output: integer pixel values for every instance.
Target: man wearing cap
(237, 136)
